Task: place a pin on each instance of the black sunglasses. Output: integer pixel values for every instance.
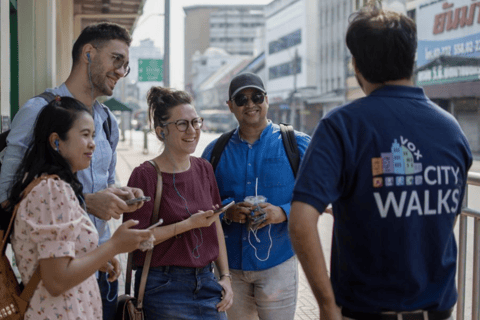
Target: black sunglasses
(241, 99)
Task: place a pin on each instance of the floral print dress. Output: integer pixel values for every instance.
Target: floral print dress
(50, 223)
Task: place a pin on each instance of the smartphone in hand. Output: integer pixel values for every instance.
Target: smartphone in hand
(136, 200)
(224, 208)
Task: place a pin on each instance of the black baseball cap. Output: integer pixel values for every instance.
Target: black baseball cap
(244, 81)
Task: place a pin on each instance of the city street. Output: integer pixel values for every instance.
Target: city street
(130, 153)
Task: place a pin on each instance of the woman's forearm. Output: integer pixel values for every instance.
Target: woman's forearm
(64, 273)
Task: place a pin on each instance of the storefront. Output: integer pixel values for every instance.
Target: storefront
(448, 60)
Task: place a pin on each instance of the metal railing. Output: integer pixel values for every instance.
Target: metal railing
(473, 180)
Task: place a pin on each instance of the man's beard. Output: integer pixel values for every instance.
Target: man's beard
(99, 80)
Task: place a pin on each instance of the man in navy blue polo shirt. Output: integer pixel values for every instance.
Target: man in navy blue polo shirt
(394, 165)
(254, 162)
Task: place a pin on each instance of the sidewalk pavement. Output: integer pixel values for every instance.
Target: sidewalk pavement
(130, 155)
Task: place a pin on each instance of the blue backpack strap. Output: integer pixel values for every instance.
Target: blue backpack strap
(291, 147)
(219, 147)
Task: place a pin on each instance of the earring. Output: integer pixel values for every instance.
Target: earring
(56, 145)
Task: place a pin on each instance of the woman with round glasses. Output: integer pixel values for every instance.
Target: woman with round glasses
(180, 283)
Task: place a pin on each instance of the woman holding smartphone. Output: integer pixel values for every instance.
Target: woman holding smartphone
(180, 283)
(52, 230)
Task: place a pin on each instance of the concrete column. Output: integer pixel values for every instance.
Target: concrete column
(5, 57)
(37, 43)
(65, 39)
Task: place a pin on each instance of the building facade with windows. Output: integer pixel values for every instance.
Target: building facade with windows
(229, 27)
(291, 45)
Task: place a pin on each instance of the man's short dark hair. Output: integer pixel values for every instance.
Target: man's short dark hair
(383, 43)
(98, 34)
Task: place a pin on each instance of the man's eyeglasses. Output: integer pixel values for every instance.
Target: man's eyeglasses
(241, 99)
(182, 124)
(118, 62)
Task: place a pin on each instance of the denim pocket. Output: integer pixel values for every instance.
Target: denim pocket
(155, 282)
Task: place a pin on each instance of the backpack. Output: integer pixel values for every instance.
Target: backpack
(48, 96)
(289, 143)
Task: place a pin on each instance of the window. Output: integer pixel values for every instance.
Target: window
(285, 42)
(285, 69)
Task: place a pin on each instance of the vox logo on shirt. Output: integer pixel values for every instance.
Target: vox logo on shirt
(402, 167)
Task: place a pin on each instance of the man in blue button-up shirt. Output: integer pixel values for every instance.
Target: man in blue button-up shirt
(254, 161)
(100, 59)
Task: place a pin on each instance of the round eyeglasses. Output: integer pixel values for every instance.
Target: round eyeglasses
(119, 62)
(182, 124)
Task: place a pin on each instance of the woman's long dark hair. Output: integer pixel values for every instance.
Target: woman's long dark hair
(58, 116)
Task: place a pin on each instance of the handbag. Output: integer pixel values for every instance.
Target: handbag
(129, 307)
(13, 300)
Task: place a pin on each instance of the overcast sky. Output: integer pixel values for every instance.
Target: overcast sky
(150, 25)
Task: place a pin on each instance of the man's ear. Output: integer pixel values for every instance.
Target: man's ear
(230, 105)
(52, 138)
(88, 53)
(354, 64)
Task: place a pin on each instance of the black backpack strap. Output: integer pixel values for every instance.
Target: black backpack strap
(218, 148)
(291, 147)
(107, 125)
(47, 96)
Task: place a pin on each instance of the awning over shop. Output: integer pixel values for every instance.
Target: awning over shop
(122, 12)
(115, 105)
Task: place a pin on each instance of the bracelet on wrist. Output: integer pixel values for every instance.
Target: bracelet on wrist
(226, 275)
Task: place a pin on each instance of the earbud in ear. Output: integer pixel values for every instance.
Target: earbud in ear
(162, 135)
(56, 145)
(88, 57)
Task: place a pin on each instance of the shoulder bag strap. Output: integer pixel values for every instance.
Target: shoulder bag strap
(154, 219)
(218, 148)
(291, 147)
(29, 289)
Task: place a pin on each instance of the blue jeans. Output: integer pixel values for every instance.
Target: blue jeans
(109, 299)
(181, 293)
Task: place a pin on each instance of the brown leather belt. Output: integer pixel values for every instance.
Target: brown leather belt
(414, 315)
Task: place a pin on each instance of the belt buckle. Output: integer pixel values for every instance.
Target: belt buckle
(423, 312)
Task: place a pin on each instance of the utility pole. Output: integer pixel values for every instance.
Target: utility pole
(166, 53)
(294, 102)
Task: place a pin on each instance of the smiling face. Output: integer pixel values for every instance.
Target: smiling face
(104, 74)
(78, 148)
(251, 114)
(177, 142)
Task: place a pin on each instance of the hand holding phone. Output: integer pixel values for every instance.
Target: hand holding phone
(136, 200)
(224, 208)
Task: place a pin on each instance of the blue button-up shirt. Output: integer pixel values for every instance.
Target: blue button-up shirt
(240, 165)
(97, 177)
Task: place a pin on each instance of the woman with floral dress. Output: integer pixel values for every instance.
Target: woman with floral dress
(52, 229)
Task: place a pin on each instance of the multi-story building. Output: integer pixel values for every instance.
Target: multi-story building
(206, 64)
(291, 36)
(334, 72)
(229, 27)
